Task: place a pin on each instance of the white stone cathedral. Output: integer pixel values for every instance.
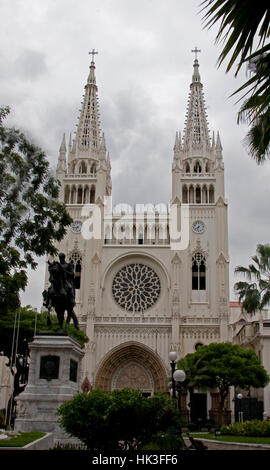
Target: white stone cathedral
(138, 295)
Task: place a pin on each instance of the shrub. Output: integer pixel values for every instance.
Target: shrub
(248, 428)
(118, 420)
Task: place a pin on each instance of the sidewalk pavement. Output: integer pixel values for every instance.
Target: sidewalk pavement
(221, 445)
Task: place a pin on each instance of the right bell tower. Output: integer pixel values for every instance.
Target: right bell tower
(198, 181)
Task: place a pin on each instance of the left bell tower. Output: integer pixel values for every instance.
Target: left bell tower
(84, 173)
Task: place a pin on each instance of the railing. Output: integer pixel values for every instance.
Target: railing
(81, 175)
(127, 242)
(199, 175)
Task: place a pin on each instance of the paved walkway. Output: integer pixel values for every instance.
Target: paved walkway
(218, 445)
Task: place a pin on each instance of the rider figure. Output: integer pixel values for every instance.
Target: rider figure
(68, 276)
(61, 292)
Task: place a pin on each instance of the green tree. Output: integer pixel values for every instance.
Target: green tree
(255, 294)
(244, 30)
(29, 322)
(119, 420)
(31, 217)
(222, 365)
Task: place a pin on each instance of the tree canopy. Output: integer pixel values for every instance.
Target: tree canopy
(31, 217)
(244, 30)
(255, 292)
(118, 420)
(222, 365)
(29, 322)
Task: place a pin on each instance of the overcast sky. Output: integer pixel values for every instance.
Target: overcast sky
(143, 70)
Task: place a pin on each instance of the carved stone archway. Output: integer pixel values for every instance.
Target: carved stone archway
(134, 353)
(134, 376)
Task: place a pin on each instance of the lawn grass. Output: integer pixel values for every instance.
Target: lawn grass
(229, 438)
(21, 439)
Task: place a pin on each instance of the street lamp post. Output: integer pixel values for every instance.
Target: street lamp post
(172, 358)
(240, 412)
(179, 377)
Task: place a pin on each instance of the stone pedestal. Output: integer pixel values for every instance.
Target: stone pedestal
(54, 377)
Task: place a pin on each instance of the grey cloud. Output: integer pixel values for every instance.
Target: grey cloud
(143, 69)
(30, 64)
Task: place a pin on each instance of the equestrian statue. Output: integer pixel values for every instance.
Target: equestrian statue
(61, 293)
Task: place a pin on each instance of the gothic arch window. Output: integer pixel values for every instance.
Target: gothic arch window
(82, 168)
(207, 167)
(73, 195)
(67, 194)
(198, 272)
(184, 195)
(93, 169)
(197, 167)
(198, 195)
(197, 345)
(187, 168)
(211, 194)
(204, 195)
(76, 259)
(92, 194)
(191, 195)
(79, 195)
(86, 195)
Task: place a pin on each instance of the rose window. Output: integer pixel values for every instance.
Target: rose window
(136, 287)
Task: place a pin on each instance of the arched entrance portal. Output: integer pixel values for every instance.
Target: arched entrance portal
(132, 365)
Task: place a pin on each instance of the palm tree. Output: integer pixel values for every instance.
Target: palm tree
(255, 294)
(244, 29)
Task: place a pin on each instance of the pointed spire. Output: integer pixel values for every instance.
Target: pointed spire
(196, 131)
(61, 165)
(176, 142)
(102, 147)
(213, 140)
(180, 140)
(63, 145)
(218, 147)
(109, 161)
(218, 144)
(88, 132)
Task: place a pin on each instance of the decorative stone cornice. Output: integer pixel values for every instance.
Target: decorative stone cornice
(132, 330)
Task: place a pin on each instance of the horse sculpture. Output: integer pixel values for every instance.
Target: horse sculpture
(61, 293)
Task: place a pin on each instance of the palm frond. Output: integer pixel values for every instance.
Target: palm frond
(264, 255)
(265, 301)
(239, 26)
(255, 295)
(244, 29)
(257, 140)
(243, 270)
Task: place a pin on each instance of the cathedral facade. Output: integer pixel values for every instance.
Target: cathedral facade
(149, 280)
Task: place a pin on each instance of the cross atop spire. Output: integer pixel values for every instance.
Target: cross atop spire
(93, 52)
(196, 50)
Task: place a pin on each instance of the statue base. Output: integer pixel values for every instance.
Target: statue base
(54, 377)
